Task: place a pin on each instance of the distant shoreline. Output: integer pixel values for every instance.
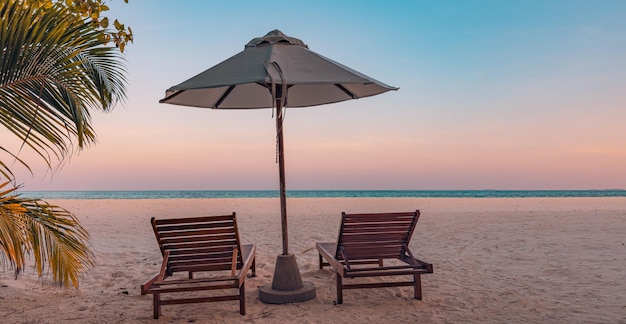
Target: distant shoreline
(185, 194)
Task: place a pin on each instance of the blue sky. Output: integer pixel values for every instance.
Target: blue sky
(493, 94)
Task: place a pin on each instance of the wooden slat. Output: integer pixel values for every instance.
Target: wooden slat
(192, 259)
(402, 232)
(372, 252)
(203, 262)
(208, 240)
(217, 233)
(207, 245)
(193, 219)
(386, 273)
(409, 214)
(374, 237)
(190, 255)
(201, 267)
(199, 249)
(378, 285)
(384, 268)
(377, 217)
(168, 289)
(378, 255)
(177, 265)
(377, 222)
(381, 224)
(195, 226)
(374, 244)
(195, 281)
(198, 300)
(374, 229)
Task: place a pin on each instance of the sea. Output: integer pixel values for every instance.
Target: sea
(180, 194)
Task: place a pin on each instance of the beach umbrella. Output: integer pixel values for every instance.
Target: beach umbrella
(276, 71)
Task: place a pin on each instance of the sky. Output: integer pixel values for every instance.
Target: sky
(527, 95)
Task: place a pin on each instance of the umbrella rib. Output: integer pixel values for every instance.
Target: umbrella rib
(223, 97)
(164, 100)
(346, 91)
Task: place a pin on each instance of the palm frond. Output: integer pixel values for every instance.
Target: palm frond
(50, 233)
(54, 69)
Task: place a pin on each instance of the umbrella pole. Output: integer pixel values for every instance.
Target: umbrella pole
(281, 174)
(287, 285)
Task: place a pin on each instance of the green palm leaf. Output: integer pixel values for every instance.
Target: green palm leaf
(54, 69)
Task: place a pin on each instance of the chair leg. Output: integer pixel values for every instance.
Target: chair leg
(320, 258)
(339, 289)
(254, 267)
(242, 299)
(156, 305)
(417, 282)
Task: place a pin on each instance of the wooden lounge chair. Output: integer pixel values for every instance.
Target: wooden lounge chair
(365, 241)
(208, 246)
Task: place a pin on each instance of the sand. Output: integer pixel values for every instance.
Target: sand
(527, 260)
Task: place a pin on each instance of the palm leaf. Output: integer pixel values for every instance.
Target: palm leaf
(54, 69)
(50, 233)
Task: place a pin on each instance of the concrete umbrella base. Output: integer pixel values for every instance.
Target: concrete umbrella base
(287, 285)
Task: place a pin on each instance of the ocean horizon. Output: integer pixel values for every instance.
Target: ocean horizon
(185, 194)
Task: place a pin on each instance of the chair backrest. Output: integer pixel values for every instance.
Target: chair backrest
(199, 243)
(375, 236)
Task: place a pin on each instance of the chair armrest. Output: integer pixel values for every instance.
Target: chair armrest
(330, 258)
(163, 273)
(233, 263)
(148, 284)
(344, 255)
(248, 260)
(157, 279)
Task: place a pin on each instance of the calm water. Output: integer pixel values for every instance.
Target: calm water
(176, 194)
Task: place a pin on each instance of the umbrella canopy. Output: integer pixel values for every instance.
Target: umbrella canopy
(276, 71)
(245, 80)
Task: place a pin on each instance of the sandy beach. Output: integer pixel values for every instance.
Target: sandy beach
(522, 260)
